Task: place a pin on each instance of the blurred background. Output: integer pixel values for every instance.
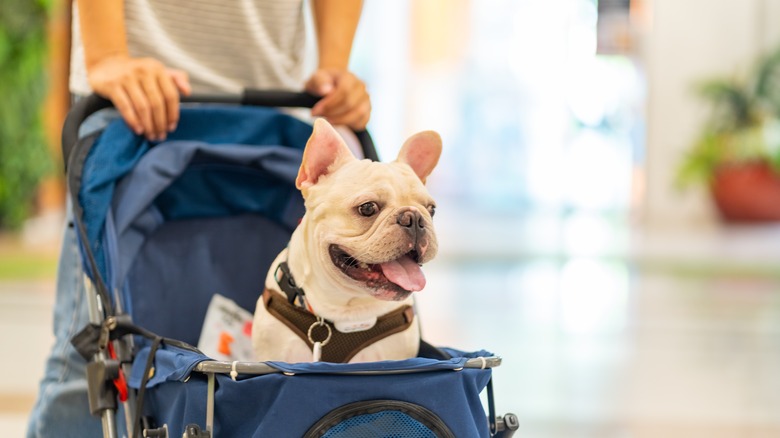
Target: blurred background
(588, 233)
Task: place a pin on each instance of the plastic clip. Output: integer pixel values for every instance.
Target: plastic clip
(233, 372)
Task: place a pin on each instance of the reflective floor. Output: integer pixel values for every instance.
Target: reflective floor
(657, 334)
(606, 330)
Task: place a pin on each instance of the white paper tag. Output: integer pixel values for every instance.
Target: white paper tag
(354, 326)
(227, 331)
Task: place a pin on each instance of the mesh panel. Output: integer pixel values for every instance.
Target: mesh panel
(380, 418)
(386, 424)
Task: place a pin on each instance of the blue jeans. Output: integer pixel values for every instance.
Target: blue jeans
(62, 408)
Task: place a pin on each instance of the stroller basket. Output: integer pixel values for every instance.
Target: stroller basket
(163, 227)
(430, 396)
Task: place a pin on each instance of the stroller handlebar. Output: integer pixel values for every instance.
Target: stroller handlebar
(93, 103)
(252, 97)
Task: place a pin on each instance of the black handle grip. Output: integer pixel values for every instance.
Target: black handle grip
(282, 99)
(78, 113)
(250, 97)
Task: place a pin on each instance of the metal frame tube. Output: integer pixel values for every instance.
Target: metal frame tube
(210, 405)
(260, 368)
(95, 307)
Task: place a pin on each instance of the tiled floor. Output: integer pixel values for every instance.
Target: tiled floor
(25, 324)
(605, 330)
(614, 331)
(601, 349)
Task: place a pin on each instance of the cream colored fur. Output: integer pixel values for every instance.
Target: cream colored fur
(334, 184)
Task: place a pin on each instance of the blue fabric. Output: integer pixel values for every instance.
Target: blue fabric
(459, 359)
(184, 180)
(118, 150)
(183, 263)
(194, 219)
(171, 364)
(281, 405)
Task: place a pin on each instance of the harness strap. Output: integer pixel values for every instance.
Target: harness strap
(342, 346)
(287, 283)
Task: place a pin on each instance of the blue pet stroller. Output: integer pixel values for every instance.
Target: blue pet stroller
(163, 227)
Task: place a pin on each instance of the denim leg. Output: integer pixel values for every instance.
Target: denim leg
(62, 409)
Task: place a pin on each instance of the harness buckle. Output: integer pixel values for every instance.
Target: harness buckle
(287, 283)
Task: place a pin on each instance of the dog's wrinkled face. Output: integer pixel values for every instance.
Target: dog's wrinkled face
(370, 223)
(379, 231)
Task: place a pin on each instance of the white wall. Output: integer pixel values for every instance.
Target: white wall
(690, 40)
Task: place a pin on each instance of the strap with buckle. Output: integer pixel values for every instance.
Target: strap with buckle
(287, 283)
(341, 346)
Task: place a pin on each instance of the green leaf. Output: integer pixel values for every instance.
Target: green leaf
(24, 156)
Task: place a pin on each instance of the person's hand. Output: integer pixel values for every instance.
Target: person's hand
(143, 90)
(345, 98)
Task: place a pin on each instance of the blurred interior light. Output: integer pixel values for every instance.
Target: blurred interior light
(594, 296)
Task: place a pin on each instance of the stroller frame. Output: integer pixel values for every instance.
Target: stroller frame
(108, 342)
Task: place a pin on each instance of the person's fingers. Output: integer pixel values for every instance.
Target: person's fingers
(321, 83)
(171, 101)
(157, 110)
(333, 102)
(347, 103)
(325, 106)
(354, 96)
(141, 107)
(356, 118)
(350, 104)
(125, 107)
(108, 79)
(182, 81)
(144, 91)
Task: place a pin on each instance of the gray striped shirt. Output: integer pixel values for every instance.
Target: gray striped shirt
(224, 45)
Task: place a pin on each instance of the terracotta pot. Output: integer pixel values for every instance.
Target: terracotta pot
(747, 192)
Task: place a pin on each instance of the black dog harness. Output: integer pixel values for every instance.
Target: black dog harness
(341, 347)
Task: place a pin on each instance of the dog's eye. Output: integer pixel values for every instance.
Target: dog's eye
(432, 209)
(368, 209)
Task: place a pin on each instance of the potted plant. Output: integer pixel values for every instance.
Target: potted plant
(737, 154)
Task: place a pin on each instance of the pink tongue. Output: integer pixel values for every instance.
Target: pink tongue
(405, 273)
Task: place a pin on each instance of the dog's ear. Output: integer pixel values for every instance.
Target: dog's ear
(325, 152)
(421, 152)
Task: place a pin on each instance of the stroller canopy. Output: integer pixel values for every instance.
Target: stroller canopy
(204, 212)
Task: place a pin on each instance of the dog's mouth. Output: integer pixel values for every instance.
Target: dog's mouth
(393, 279)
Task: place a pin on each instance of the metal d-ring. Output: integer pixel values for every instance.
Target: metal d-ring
(320, 322)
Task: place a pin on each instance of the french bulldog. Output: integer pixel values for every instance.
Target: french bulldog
(356, 255)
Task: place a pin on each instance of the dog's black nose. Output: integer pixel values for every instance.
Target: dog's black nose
(412, 220)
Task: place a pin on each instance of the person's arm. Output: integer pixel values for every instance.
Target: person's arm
(336, 22)
(144, 92)
(346, 100)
